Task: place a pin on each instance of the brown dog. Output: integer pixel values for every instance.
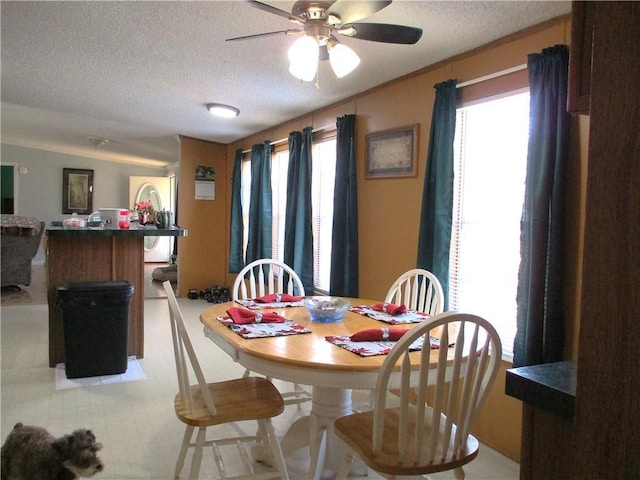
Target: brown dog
(31, 453)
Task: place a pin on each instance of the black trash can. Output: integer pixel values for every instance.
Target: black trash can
(95, 317)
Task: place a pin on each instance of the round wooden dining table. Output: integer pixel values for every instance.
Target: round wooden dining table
(307, 359)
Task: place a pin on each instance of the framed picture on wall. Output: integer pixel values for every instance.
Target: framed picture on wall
(77, 191)
(392, 153)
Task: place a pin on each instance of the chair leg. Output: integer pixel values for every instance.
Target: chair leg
(186, 440)
(459, 473)
(299, 393)
(197, 454)
(345, 465)
(276, 451)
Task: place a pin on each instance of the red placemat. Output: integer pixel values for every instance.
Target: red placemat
(253, 305)
(410, 317)
(370, 349)
(264, 330)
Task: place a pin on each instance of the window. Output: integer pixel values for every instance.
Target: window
(323, 177)
(490, 167)
(279, 169)
(322, 185)
(245, 193)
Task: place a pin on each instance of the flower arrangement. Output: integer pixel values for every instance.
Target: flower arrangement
(145, 211)
(144, 207)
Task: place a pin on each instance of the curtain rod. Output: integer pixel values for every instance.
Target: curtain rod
(493, 75)
(276, 142)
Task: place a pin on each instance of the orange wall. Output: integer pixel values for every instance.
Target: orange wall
(389, 209)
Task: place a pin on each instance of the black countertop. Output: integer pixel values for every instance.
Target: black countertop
(134, 231)
(549, 386)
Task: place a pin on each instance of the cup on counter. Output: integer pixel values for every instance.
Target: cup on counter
(124, 221)
(163, 219)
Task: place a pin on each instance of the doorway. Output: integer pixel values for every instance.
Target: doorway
(158, 191)
(9, 188)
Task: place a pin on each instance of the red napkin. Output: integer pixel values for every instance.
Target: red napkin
(378, 334)
(277, 297)
(242, 316)
(390, 308)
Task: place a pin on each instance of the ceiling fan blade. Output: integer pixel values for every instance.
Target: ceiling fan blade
(352, 11)
(266, 34)
(276, 11)
(382, 32)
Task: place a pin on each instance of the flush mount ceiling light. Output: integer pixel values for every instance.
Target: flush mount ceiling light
(221, 110)
(321, 21)
(98, 142)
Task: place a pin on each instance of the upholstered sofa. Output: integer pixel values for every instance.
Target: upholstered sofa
(19, 242)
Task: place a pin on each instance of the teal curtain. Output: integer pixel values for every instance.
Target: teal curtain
(344, 246)
(298, 236)
(437, 196)
(260, 207)
(540, 333)
(236, 229)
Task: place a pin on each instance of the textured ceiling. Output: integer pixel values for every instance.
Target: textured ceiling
(141, 73)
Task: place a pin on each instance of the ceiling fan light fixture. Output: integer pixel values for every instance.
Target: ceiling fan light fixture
(343, 59)
(221, 110)
(303, 58)
(305, 72)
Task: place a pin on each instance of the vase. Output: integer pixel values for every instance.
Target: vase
(143, 218)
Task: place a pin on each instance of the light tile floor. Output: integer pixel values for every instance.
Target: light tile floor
(135, 421)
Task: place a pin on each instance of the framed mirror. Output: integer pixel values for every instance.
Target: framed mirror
(147, 192)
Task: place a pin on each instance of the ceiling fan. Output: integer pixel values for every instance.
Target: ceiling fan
(319, 23)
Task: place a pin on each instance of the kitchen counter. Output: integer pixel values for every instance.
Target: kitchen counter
(98, 255)
(134, 231)
(549, 386)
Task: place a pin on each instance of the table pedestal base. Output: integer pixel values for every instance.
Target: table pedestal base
(316, 432)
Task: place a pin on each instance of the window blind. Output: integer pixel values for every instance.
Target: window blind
(323, 180)
(490, 163)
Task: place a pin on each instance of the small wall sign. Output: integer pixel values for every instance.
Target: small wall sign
(205, 182)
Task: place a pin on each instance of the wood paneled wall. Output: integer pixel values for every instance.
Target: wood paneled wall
(607, 420)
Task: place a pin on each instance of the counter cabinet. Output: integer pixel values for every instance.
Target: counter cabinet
(86, 255)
